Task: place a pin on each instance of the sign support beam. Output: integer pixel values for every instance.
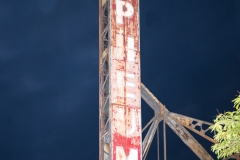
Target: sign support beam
(119, 83)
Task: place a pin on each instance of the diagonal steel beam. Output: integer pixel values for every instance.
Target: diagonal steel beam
(184, 135)
(150, 135)
(150, 99)
(192, 123)
(188, 139)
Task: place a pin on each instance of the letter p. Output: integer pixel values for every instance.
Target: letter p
(124, 9)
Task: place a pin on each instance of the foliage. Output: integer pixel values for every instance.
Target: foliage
(227, 126)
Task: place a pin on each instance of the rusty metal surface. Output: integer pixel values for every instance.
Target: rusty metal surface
(120, 89)
(185, 136)
(150, 99)
(119, 79)
(164, 137)
(156, 117)
(192, 124)
(158, 145)
(149, 137)
(150, 134)
(188, 139)
(104, 119)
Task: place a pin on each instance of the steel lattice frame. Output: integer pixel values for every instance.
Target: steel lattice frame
(104, 126)
(178, 123)
(120, 98)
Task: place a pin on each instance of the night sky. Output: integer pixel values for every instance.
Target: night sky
(190, 60)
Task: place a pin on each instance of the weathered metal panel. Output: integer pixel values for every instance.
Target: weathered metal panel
(188, 139)
(125, 80)
(151, 100)
(188, 123)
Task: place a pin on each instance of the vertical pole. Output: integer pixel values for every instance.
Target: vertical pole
(164, 135)
(158, 148)
(104, 127)
(100, 77)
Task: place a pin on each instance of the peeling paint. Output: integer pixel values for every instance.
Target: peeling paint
(125, 80)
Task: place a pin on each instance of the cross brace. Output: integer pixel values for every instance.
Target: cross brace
(176, 123)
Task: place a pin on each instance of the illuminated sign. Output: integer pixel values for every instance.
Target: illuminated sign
(125, 80)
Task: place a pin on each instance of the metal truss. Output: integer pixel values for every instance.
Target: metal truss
(104, 119)
(177, 123)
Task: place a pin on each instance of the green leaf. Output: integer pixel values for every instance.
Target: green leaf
(227, 126)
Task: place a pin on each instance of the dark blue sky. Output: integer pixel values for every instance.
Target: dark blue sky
(190, 60)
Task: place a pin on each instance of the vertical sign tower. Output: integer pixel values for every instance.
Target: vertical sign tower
(119, 81)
